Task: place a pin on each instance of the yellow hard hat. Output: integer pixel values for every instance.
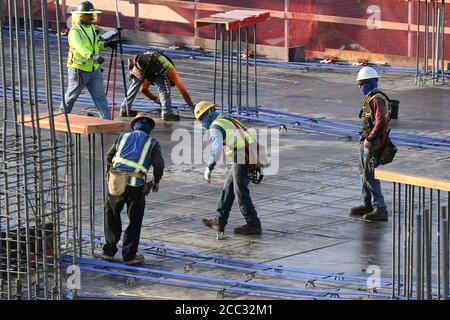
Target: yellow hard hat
(202, 107)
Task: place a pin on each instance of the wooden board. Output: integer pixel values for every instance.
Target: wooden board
(398, 177)
(78, 124)
(234, 19)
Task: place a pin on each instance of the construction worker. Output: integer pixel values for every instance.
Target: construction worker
(129, 160)
(229, 132)
(153, 67)
(84, 60)
(375, 117)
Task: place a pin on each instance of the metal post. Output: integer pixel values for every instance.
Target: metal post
(426, 45)
(444, 254)
(393, 239)
(419, 286)
(255, 68)
(418, 42)
(215, 62)
(222, 39)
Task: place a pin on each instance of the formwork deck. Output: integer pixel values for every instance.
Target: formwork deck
(303, 208)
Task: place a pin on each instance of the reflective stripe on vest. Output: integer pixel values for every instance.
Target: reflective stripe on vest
(87, 39)
(233, 135)
(138, 166)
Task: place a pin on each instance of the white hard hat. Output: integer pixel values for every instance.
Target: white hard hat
(367, 73)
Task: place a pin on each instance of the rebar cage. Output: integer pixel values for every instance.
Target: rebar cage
(38, 223)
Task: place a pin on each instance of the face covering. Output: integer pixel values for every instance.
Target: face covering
(369, 86)
(207, 120)
(143, 126)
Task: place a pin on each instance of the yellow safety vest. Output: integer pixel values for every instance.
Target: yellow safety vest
(138, 166)
(83, 41)
(234, 136)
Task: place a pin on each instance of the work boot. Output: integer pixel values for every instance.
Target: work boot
(138, 259)
(170, 117)
(107, 257)
(213, 224)
(248, 229)
(131, 113)
(376, 215)
(359, 211)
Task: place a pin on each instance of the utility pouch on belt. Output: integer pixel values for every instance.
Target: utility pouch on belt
(117, 181)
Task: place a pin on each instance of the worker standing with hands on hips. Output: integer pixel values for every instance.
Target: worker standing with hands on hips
(154, 68)
(84, 60)
(227, 131)
(375, 118)
(129, 160)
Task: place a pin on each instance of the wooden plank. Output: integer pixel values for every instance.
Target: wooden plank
(234, 19)
(425, 182)
(77, 123)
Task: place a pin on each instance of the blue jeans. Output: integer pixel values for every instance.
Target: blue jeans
(93, 81)
(371, 188)
(162, 83)
(236, 186)
(132, 91)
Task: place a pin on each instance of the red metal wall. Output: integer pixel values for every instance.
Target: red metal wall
(316, 24)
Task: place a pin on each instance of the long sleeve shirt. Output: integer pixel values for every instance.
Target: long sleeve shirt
(216, 137)
(378, 109)
(156, 158)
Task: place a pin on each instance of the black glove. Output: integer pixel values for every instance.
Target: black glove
(111, 44)
(97, 58)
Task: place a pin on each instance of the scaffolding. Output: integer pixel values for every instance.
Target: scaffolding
(38, 223)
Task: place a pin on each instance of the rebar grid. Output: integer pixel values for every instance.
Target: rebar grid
(36, 166)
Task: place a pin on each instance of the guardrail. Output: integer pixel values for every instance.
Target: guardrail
(420, 235)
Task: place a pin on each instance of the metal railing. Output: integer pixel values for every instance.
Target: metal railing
(420, 235)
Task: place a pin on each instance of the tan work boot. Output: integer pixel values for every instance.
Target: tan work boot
(213, 224)
(376, 215)
(359, 211)
(137, 260)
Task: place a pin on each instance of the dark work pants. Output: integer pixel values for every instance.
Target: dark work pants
(134, 198)
(236, 186)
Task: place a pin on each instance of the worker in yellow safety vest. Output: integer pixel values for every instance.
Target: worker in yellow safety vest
(84, 60)
(227, 132)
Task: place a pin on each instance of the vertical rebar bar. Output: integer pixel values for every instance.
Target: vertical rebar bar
(419, 286)
(216, 26)
(393, 239)
(222, 80)
(418, 42)
(255, 68)
(445, 253)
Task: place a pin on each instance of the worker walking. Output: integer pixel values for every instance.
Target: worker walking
(154, 68)
(375, 117)
(229, 132)
(84, 60)
(129, 160)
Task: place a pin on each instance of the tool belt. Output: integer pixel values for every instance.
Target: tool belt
(117, 181)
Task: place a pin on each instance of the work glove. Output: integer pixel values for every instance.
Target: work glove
(97, 58)
(207, 175)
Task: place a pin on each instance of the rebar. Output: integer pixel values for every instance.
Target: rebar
(37, 198)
